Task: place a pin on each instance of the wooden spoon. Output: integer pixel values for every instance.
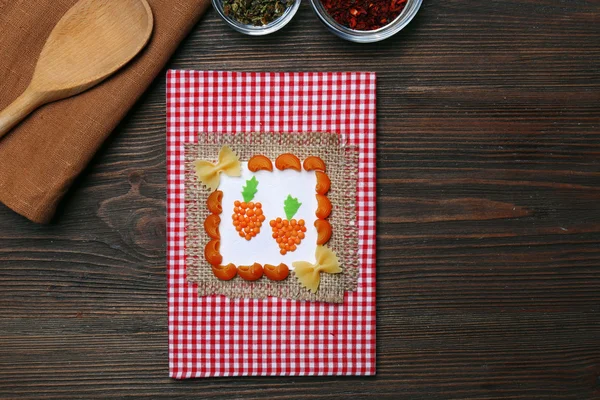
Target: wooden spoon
(90, 42)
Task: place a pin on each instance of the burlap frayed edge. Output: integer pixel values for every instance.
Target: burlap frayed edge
(342, 169)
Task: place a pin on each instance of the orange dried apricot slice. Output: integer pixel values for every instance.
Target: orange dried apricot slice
(211, 226)
(323, 182)
(323, 231)
(247, 218)
(250, 272)
(211, 252)
(224, 272)
(213, 203)
(276, 273)
(288, 161)
(323, 206)
(314, 163)
(260, 162)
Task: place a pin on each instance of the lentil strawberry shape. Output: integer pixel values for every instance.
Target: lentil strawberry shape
(287, 231)
(247, 215)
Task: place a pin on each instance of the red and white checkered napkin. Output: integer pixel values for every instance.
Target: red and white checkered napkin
(217, 336)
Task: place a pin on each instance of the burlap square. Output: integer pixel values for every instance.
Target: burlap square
(342, 169)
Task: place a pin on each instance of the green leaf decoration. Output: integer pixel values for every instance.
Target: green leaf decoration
(250, 189)
(291, 206)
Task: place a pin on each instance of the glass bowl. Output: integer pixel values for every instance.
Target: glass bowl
(409, 12)
(252, 30)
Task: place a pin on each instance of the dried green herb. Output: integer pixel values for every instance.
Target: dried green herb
(256, 12)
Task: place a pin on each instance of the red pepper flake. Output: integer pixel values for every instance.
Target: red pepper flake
(364, 15)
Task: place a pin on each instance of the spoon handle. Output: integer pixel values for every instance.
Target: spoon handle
(23, 105)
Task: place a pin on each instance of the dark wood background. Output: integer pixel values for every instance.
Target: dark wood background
(488, 221)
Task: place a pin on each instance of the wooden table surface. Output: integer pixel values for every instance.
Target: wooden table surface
(488, 222)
